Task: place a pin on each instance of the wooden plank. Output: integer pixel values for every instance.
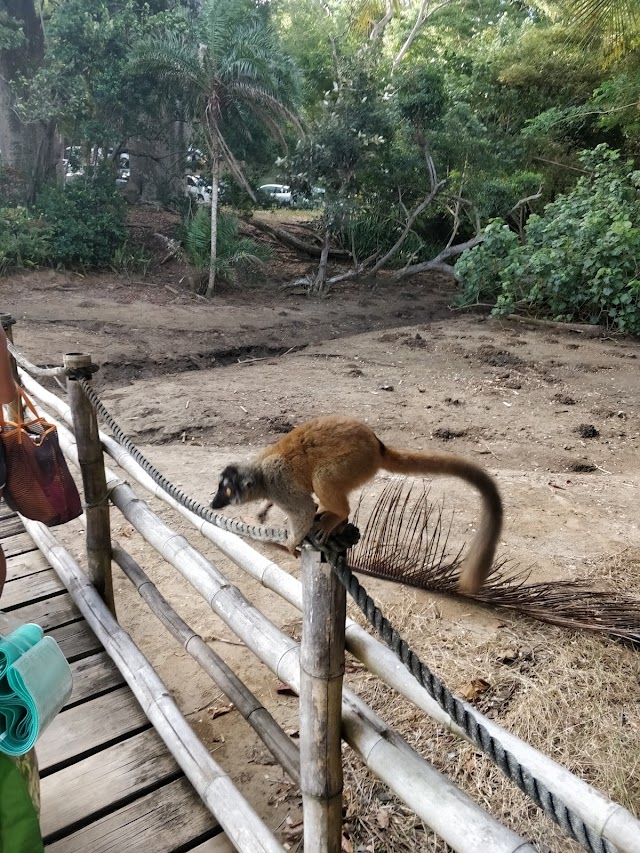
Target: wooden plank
(19, 544)
(103, 781)
(160, 822)
(92, 675)
(23, 590)
(49, 614)
(219, 844)
(26, 564)
(76, 640)
(88, 726)
(5, 512)
(10, 526)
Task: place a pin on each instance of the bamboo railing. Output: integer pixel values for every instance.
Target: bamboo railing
(315, 671)
(464, 825)
(607, 818)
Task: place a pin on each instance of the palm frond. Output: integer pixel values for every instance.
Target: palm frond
(170, 57)
(232, 163)
(253, 94)
(233, 252)
(272, 126)
(405, 539)
(615, 24)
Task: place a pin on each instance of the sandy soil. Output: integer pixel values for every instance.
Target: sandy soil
(197, 384)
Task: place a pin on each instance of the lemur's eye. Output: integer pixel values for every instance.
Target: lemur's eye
(227, 492)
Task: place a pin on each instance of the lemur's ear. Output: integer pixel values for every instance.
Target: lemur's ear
(245, 481)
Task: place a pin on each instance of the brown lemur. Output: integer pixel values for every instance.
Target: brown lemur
(330, 457)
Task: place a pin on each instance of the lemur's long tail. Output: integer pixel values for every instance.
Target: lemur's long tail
(478, 562)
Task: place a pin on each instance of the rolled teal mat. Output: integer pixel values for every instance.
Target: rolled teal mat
(35, 682)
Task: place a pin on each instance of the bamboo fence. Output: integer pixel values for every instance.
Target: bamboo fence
(464, 825)
(437, 801)
(238, 819)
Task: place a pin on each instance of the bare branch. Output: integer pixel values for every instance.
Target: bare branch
(562, 165)
(319, 284)
(437, 262)
(517, 212)
(455, 213)
(424, 13)
(408, 226)
(380, 26)
(524, 201)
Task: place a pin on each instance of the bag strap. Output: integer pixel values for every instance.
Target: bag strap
(21, 425)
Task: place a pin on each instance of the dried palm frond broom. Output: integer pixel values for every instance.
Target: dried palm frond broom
(405, 540)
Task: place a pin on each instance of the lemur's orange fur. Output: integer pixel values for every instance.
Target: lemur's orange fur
(332, 456)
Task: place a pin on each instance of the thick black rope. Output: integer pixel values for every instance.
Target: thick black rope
(462, 715)
(552, 805)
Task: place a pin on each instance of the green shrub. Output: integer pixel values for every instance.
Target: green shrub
(233, 252)
(24, 240)
(129, 259)
(581, 258)
(88, 218)
(370, 230)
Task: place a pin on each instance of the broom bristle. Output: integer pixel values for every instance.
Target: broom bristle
(406, 540)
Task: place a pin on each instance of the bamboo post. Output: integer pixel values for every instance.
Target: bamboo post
(91, 460)
(15, 406)
(321, 671)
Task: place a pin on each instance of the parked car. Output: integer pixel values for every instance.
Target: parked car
(197, 188)
(278, 193)
(70, 173)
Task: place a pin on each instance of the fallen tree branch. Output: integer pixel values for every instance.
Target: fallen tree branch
(438, 261)
(436, 186)
(578, 328)
(296, 243)
(173, 247)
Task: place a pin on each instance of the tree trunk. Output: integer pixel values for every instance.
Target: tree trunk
(215, 183)
(156, 165)
(290, 239)
(321, 278)
(31, 151)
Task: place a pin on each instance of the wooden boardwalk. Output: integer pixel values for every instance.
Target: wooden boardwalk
(108, 783)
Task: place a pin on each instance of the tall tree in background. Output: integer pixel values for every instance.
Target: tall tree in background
(31, 149)
(228, 66)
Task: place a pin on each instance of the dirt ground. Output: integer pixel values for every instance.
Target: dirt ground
(199, 383)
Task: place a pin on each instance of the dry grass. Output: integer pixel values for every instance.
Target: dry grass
(572, 695)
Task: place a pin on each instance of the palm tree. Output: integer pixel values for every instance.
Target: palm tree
(227, 67)
(615, 24)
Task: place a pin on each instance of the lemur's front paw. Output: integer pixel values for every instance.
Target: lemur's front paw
(321, 527)
(346, 536)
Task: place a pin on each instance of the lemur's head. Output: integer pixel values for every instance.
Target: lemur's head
(237, 486)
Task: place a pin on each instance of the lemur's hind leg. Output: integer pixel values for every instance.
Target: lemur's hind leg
(333, 509)
(300, 513)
